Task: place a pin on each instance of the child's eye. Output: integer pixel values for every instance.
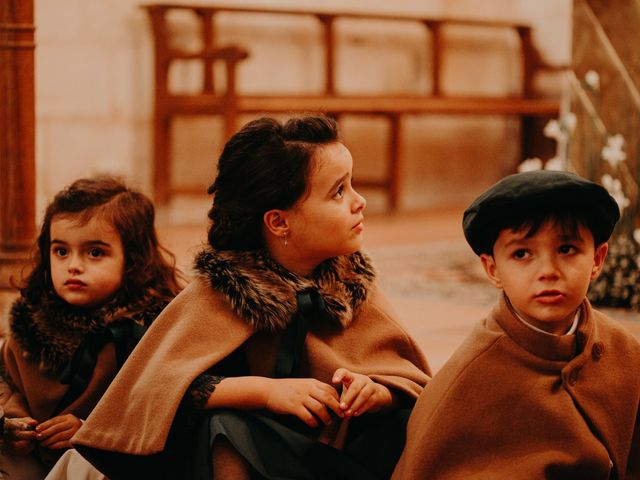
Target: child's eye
(339, 193)
(59, 251)
(96, 253)
(567, 249)
(520, 254)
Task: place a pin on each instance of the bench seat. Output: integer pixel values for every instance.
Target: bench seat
(374, 104)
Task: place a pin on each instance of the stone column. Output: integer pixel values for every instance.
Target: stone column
(17, 137)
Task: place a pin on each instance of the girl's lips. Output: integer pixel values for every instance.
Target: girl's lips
(359, 227)
(74, 284)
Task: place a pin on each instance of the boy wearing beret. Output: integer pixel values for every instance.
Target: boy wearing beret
(545, 387)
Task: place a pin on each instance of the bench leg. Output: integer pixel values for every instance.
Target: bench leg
(161, 154)
(394, 169)
(533, 143)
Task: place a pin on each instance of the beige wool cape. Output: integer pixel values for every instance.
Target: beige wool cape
(37, 392)
(513, 403)
(245, 300)
(42, 341)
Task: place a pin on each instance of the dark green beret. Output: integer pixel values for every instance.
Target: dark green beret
(522, 192)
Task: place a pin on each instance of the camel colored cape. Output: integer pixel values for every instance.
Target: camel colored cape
(513, 403)
(43, 339)
(38, 392)
(202, 326)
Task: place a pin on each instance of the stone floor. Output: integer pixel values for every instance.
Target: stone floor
(432, 278)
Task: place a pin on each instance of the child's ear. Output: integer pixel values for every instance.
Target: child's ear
(598, 259)
(276, 222)
(489, 264)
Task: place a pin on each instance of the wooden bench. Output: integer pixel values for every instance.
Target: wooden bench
(231, 103)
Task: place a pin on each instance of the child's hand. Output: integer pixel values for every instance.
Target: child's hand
(360, 394)
(306, 398)
(20, 435)
(56, 432)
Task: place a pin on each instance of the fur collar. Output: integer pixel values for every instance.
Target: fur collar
(51, 331)
(263, 293)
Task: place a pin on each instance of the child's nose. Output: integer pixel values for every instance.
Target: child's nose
(360, 202)
(75, 264)
(549, 267)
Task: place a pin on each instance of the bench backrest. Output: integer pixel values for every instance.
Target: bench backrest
(208, 53)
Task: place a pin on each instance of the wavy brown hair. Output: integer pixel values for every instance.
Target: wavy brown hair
(149, 267)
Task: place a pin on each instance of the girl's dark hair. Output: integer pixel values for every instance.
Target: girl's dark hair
(264, 166)
(149, 268)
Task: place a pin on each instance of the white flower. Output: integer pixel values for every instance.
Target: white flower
(554, 163)
(636, 235)
(614, 187)
(592, 79)
(612, 151)
(552, 130)
(530, 165)
(569, 121)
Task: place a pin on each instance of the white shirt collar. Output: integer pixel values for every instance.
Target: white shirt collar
(571, 331)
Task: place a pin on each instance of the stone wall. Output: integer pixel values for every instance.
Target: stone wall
(94, 88)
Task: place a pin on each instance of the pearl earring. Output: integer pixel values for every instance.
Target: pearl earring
(285, 240)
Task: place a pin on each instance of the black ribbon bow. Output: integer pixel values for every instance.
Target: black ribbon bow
(78, 372)
(310, 305)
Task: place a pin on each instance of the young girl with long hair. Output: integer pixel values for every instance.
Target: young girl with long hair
(99, 279)
(282, 358)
